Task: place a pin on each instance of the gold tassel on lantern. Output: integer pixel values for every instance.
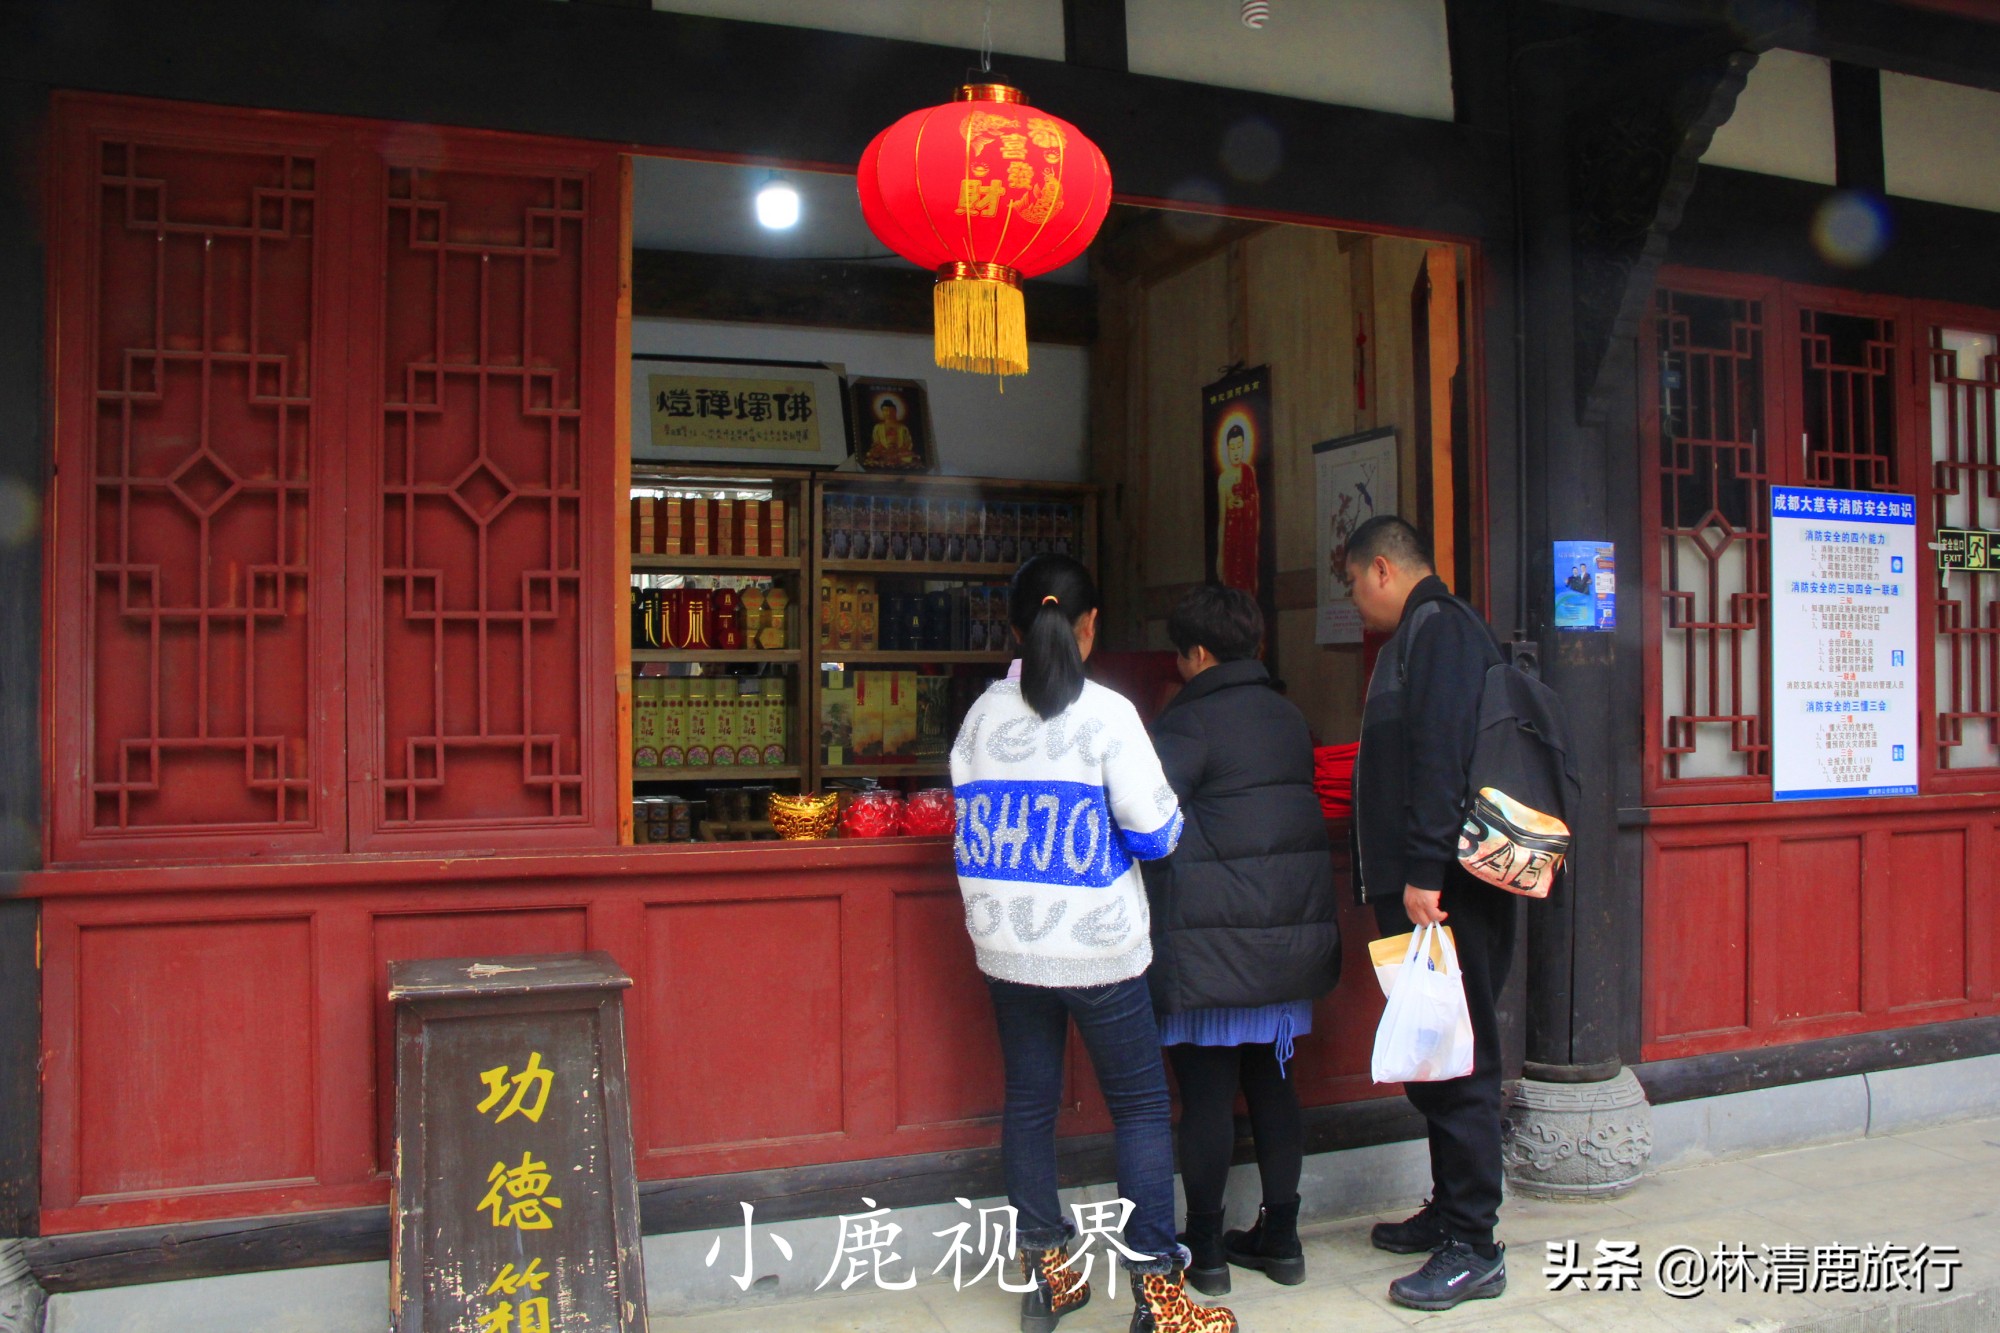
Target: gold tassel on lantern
(982, 320)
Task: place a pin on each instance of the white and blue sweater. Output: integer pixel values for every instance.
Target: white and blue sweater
(1052, 818)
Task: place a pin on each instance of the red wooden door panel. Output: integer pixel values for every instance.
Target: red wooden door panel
(488, 467)
(195, 553)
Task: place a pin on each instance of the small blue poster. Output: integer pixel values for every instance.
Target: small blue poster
(1586, 586)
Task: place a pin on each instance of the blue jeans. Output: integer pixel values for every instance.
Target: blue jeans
(1123, 1038)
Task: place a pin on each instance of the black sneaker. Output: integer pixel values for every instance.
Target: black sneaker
(1412, 1235)
(1453, 1274)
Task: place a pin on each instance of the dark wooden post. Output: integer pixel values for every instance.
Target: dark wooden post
(514, 1183)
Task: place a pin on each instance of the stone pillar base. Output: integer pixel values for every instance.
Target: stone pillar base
(1577, 1140)
(21, 1297)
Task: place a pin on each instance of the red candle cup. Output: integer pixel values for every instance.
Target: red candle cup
(929, 813)
(873, 814)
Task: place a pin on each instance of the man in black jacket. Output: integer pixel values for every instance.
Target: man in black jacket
(1245, 933)
(1417, 732)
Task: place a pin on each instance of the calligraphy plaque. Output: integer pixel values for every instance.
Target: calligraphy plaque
(791, 414)
(516, 1206)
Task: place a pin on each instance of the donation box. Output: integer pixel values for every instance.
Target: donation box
(516, 1208)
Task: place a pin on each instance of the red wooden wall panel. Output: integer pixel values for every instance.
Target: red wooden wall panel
(196, 1056)
(744, 999)
(1697, 918)
(948, 1065)
(1766, 925)
(1925, 883)
(790, 1005)
(1815, 927)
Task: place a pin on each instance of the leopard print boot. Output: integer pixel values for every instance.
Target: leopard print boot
(1058, 1290)
(1163, 1307)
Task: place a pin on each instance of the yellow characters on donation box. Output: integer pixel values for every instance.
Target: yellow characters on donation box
(1237, 444)
(515, 1201)
(892, 425)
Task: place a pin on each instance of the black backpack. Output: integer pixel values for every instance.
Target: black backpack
(1521, 788)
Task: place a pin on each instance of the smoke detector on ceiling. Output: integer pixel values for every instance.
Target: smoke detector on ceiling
(1256, 13)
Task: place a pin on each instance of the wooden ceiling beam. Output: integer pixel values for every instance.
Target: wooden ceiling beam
(890, 297)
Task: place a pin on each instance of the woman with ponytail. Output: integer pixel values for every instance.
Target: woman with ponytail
(1060, 795)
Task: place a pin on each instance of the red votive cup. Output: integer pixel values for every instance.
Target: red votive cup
(929, 813)
(873, 814)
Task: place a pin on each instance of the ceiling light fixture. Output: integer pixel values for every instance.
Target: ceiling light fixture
(777, 206)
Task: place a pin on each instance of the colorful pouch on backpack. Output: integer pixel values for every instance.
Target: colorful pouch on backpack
(1512, 846)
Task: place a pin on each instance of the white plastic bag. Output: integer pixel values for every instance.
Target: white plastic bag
(1387, 955)
(1425, 1034)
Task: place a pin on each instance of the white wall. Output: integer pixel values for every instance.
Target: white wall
(1941, 141)
(1783, 122)
(1034, 431)
(1388, 55)
(1020, 27)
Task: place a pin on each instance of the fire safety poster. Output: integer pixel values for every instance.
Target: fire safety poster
(1843, 644)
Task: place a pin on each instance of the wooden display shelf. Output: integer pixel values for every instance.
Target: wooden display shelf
(792, 656)
(717, 564)
(886, 657)
(929, 768)
(782, 772)
(1056, 491)
(997, 570)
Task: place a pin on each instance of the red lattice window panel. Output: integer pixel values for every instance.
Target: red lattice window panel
(492, 466)
(1839, 381)
(1963, 372)
(335, 450)
(1707, 561)
(1848, 400)
(196, 580)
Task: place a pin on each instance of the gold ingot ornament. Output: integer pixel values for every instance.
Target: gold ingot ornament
(811, 815)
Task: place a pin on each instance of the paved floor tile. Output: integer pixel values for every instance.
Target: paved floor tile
(1905, 1189)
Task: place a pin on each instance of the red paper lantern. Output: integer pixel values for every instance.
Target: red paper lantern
(984, 191)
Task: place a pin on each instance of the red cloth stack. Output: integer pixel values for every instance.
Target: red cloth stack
(1333, 778)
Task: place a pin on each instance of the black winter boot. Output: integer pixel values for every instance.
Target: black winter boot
(1058, 1290)
(1209, 1271)
(1272, 1245)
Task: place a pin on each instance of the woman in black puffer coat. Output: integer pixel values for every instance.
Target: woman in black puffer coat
(1245, 932)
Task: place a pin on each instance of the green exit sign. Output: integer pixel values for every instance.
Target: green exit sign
(1967, 548)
